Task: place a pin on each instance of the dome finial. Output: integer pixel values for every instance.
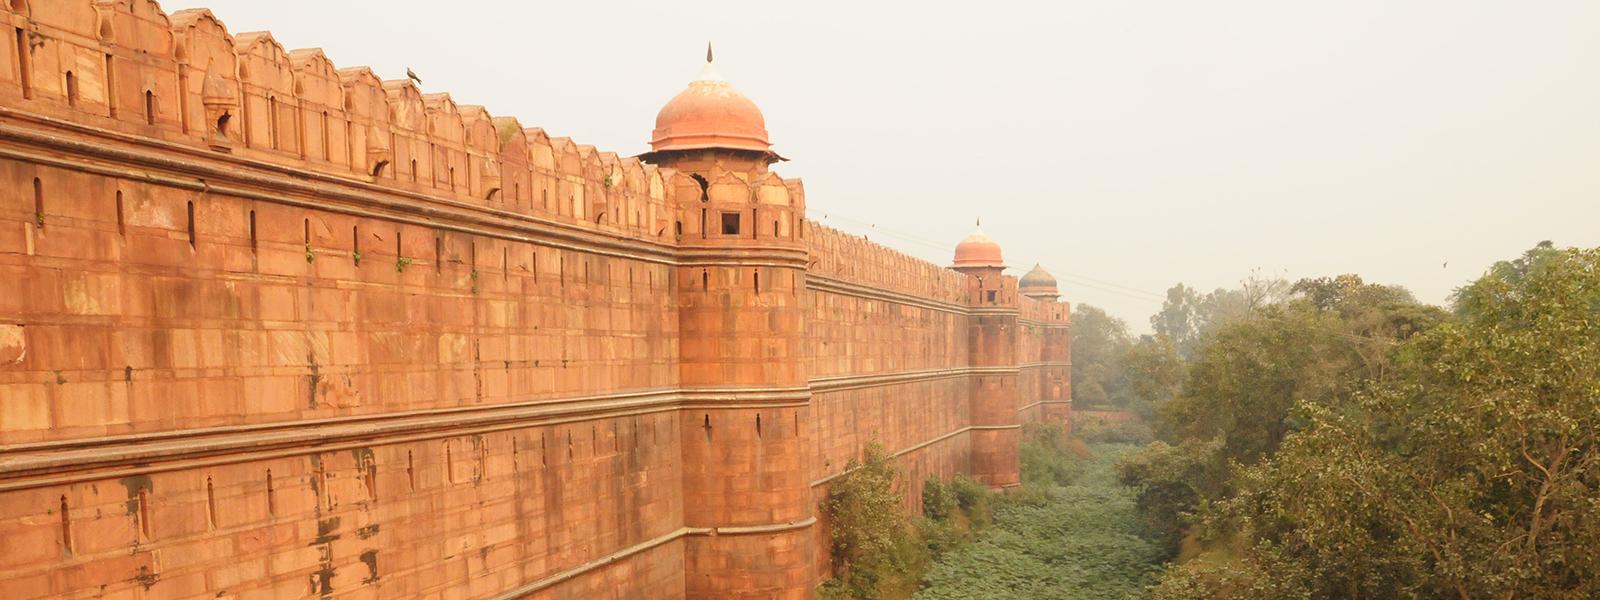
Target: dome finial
(709, 71)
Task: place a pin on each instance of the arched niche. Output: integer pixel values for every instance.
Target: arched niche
(267, 97)
(322, 106)
(368, 126)
(208, 77)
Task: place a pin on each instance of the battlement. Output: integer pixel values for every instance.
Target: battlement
(855, 259)
(125, 66)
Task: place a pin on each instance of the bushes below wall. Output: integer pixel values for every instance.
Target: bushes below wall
(881, 552)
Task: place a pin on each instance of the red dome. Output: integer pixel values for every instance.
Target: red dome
(710, 114)
(978, 251)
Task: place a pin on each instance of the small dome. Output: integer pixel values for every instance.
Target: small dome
(978, 251)
(710, 114)
(1038, 282)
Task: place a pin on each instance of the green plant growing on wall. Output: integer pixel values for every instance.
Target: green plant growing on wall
(357, 256)
(311, 255)
(872, 538)
(401, 263)
(38, 219)
(474, 277)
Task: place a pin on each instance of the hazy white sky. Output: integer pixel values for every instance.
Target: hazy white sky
(1125, 145)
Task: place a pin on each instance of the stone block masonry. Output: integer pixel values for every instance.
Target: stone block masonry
(272, 328)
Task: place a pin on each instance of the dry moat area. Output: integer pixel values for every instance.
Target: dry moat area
(1083, 541)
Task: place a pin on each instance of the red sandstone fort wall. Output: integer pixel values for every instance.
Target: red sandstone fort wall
(273, 328)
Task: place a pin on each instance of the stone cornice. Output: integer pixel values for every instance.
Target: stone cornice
(838, 286)
(994, 311)
(54, 463)
(1043, 324)
(30, 465)
(1026, 407)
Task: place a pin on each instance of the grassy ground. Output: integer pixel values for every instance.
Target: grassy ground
(1078, 541)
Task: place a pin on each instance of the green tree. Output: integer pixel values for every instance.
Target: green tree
(1470, 470)
(1098, 341)
(1152, 374)
(1179, 319)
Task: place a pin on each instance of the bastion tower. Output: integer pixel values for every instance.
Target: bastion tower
(992, 335)
(1055, 351)
(741, 267)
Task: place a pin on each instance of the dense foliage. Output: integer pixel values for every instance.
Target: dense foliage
(879, 550)
(1348, 442)
(1098, 342)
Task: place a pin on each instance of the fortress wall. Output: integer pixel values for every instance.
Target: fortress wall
(275, 328)
(479, 513)
(133, 329)
(131, 332)
(450, 358)
(888, 350)
(1043, 383)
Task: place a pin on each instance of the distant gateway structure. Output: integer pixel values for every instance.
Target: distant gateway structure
(274, 329)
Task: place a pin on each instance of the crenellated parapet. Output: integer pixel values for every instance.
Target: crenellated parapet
(127, 67)
(857, 260)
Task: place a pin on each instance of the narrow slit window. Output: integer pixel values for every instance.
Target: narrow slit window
(272, 496)
(66, 526)
(191, 225)
(72, 89)
(38, 203)
(211, 504)
(144, 513)
(111, 87)
(254, 244)
(122, 226)
(149, 107)
(25, 63)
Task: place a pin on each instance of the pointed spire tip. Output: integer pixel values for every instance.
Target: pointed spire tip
(708, 51)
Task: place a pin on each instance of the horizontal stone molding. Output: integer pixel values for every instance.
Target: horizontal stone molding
(1043, 324)
(907, 450)
(850, 382)
(845, 288)
(30, 465)
(680, 533)
(24, 466)
(1035, 365)
(1023, 408)
(994, 311)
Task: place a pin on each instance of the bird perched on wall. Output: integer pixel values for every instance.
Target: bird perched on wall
(413, 76)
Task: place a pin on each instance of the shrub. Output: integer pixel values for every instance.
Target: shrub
(1047, 455)
(868, 523)
(1100, 431)
(938, 499)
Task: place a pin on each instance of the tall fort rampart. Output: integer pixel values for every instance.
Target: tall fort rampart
(275, 329)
